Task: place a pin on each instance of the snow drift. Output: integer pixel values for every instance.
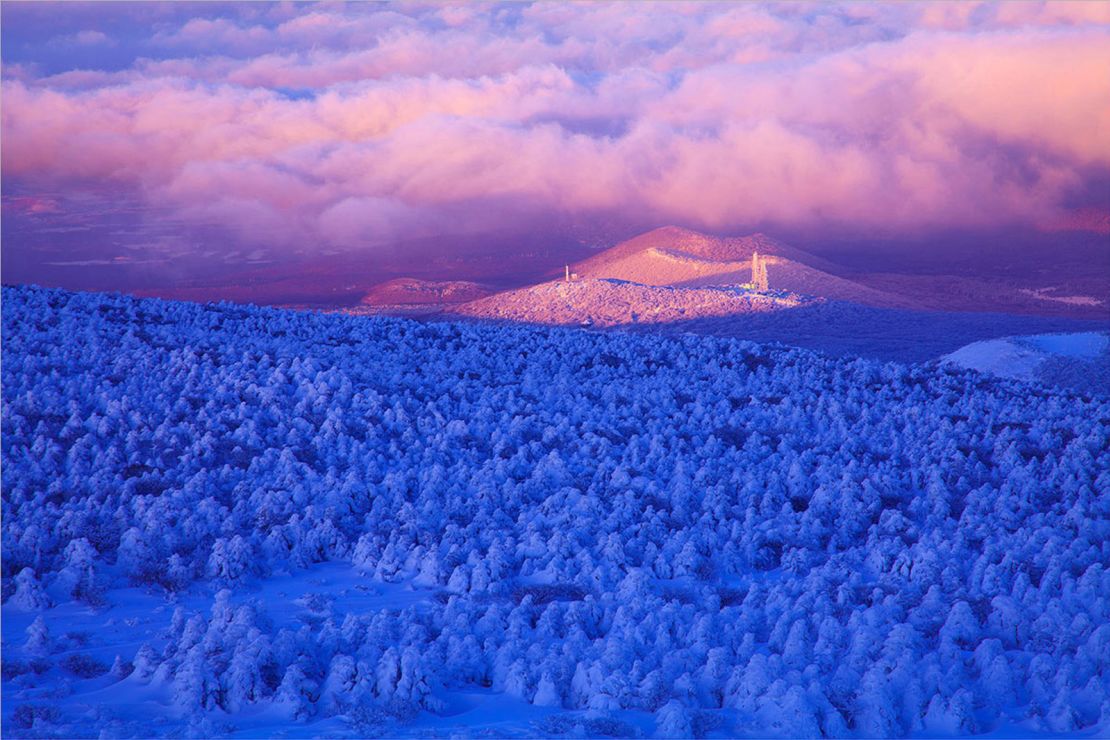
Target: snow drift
(1080, 360)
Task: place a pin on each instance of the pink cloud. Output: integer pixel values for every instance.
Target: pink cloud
(720, 116)
(91, 37)
(222, 35)
(30, 204)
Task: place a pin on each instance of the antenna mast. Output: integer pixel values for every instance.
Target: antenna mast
(759, 273)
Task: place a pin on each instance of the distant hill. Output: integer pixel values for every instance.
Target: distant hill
(685, 258)
(610, 302)
(673, 274)
(415, 297)
(408, 291)
(318, 279)
(1077, 360)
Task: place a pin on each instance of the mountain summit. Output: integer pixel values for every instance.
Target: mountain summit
(679, 257)
(675, 274)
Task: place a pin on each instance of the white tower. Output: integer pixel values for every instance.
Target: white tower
(759, 273)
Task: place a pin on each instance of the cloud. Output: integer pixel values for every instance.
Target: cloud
(90, 37)
(352, 126)
(30, 205)
(219, 34)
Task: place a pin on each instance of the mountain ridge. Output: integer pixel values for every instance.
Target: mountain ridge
(676, 274)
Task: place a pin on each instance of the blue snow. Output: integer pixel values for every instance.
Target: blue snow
(1084, 344)
(223, 520)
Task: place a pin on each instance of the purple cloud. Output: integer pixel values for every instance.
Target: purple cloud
(348, 126)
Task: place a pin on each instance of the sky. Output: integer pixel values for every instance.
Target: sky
(140, 134)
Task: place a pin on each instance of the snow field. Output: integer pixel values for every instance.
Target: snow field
(533, 531)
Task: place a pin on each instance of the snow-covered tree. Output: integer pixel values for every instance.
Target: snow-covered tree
(29, 594)
(39, 642)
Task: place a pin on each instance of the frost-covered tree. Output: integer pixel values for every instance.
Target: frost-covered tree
(297, 693)
(29, 594)
(599, 521)
(195, 685)
(79, 578)
(673, 721)
(145, 662)
(39, 642)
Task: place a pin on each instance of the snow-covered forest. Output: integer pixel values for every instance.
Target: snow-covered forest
(596, 533)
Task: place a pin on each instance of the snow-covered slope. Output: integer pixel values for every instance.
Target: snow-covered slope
(408, 291)
(676, 240)
(414, 297)
(608, 302)
(681, 257)
(666, 275)
(796, 277)
(669, 266)
(320, 525)
(1079, 359)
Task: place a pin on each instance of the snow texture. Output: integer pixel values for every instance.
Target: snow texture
(1081, 360)
(222, 520)
(852, 330)
(411, 291)
(612, 302)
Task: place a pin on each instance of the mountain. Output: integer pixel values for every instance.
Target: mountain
(416, 297)
(611, 302)
(318, 279)
(411, 291)
(685, 258)
(672, 275)
(1014, 271)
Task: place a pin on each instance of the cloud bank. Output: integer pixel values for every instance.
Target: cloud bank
(304, 126)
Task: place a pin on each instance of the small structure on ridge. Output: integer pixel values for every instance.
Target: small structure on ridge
(759, 273)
